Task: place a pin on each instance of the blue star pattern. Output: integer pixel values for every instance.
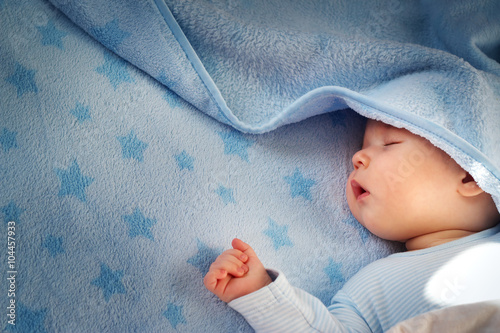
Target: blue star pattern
(204, 258)
(333, 272)
(185, 161)
(112, 244)
(51, 35)
(139, 224)
(115, 69)
(235, 143)
(53, 244)
(174, 315)
(81, 112)
(300, 186)
(278, 234)
(73, 182)
(8, 139)
(29, 320)
(110, 282)
(23, 79)
(110, 34)
(11, 212)
(226, 194)
(132, 147)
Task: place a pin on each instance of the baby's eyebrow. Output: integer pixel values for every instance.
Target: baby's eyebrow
(387, 131)
(393, 128)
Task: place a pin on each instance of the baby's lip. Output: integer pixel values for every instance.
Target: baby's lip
(358, 190)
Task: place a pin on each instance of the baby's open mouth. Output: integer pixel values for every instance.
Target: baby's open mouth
(358, 190)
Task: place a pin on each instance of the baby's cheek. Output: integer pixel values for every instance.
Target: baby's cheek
(394, 179)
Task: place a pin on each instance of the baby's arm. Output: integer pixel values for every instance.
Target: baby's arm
(236, 273)
(238, 277)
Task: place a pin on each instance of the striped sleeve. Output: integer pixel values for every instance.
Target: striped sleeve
(385, 292)
(279, 307)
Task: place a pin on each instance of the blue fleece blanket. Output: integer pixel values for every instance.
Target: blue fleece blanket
(138, 137)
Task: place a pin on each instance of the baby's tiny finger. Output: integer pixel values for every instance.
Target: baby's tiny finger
(237, 254)
(226, 264)
(210, 281)
(221, 274)
(233, 258)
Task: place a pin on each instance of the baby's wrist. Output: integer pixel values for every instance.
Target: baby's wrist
(266, 280)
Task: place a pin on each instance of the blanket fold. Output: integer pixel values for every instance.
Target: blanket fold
(431, 67)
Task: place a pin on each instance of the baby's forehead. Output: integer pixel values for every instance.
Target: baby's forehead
(379, 131)
(375, 127)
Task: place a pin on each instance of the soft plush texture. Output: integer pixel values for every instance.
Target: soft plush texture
(138, 137)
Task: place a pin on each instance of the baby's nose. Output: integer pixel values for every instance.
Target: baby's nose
(360, 159)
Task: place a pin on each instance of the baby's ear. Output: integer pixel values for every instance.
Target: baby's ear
(468, 186)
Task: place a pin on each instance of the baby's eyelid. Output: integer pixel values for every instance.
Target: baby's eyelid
(392, 142)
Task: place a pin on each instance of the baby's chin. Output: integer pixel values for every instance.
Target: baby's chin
(361, 221)
(372, 224)
(378, 229)
(387, 235)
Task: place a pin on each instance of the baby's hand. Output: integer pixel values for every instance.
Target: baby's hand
(236, 273)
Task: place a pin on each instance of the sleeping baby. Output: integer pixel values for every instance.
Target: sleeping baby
(402, 189)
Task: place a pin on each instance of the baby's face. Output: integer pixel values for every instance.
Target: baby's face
(399, 183)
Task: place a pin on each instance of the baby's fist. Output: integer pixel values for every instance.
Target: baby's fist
(236, 273)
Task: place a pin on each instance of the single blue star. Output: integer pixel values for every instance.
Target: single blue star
(278, 234)
(333, 270)
(51, 35)
(139, 224)
(132, 147)
(8, 139)
(115, 69)
(12, 212)
(226, 194)
(174, 315)
(28, 320)
(81, 112)
(110, 35)
(300, 186)
(109, 281)
(53, 244)
(23, 79)
(204, 258)
(73, 182)
(185, 161)
(236, 143)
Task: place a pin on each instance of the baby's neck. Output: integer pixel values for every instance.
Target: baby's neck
(435, 238)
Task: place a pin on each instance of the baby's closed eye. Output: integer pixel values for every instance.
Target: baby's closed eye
(392, 142)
